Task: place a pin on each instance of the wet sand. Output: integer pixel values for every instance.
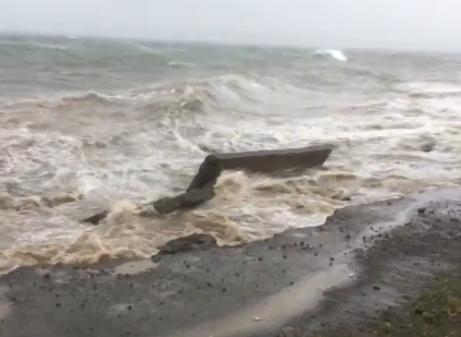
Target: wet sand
(364, 260)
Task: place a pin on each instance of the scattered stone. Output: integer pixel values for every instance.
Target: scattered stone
(428, 146)
(187, 243)
(421, 210)
(97, 218)
(63, 199)
(289, 332)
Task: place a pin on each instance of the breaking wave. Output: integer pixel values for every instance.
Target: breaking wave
(227, 91)
(334, 53)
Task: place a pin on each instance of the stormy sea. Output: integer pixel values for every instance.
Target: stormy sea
(88, 124)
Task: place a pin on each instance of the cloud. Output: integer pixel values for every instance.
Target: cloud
(413, 24)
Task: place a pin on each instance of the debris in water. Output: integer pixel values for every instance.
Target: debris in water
(257, 319)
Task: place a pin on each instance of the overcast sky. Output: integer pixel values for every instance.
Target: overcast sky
(408, 24)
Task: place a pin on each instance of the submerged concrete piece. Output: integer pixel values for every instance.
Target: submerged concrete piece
(97, 218)
(264, 161)
(190, 199)
(165, 205)
(208, 172)
(274, 160)
(201, 190)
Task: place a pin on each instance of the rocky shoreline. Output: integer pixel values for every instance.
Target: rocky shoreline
(340, 276)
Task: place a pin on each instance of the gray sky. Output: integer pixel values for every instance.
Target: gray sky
(407, 24)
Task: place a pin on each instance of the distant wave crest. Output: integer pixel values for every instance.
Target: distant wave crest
(182, 64)
(34, 45)
(334, 53)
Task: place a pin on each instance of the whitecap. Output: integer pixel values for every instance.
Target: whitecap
(334, 53)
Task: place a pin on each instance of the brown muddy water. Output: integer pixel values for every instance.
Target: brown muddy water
(87, 124)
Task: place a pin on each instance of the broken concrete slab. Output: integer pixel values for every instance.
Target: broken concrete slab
(208, 172)
(201, 190)
(273, 160)
(165, 205)
(263, 161)
(184, 201)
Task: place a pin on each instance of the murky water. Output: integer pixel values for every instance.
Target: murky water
(93, 124)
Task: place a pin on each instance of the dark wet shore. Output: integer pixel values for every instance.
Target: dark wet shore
(339, 277)
(436, 312)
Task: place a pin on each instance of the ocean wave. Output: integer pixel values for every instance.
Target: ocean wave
(88, 51)
(26, 44)
(182, 64)
(229, 91)
(144, 232)
(430, 90)
(8, 202)
(92, 97)
(61, 102)
(156, 49)
(123, 148)
(334, 53)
